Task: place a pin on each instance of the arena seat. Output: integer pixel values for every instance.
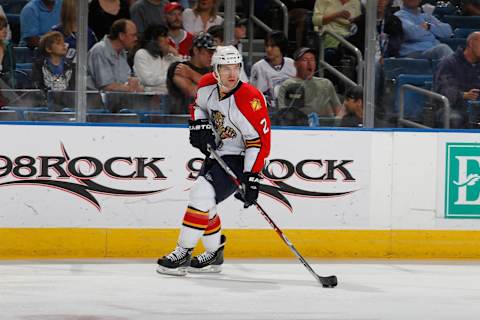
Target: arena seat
(9, 115)
(45, 116)
(392, 68)
(113, 117)
(454, 43)
(166, 118)
(462, 21)
(413, 102)
(463, 32)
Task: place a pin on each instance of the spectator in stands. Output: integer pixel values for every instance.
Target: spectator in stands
(240, 32)
(270, 72)
(68, 27)
(353, 107)
(148, 12)
(9, 31)
(420, 33)
(202, 16)
(37, 18)
(178, 38)
(183, 77)
(107, 65)
(317, 95)
(471, 7)
(103, 13)
(217, 33)
(153, 59)
(389, 31)
(335, 16)
(7, 57)
(458, 78)
(297, 19)
(53, 71)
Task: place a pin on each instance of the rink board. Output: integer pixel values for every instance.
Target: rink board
(120, 191)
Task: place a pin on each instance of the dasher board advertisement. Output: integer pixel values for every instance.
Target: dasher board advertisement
(139, 177)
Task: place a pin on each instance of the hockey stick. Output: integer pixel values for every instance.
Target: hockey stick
(327, 282)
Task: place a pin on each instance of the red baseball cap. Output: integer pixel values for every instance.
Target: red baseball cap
(172, 6)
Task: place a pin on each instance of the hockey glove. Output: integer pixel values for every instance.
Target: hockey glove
(201, 134)
(250, 184)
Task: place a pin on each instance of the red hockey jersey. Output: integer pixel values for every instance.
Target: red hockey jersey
(240, 120)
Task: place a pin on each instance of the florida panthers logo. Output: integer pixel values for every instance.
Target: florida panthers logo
(219, 123)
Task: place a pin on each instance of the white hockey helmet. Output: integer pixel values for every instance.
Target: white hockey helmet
(226, 55)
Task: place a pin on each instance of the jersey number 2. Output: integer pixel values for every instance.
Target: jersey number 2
(263, 122)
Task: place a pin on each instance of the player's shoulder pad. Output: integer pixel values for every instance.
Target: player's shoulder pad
(207, 80)
(250, 100)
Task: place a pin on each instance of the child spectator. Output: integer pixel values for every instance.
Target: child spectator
(53, 71)
(270, 72)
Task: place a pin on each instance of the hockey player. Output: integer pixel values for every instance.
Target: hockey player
(232, 117)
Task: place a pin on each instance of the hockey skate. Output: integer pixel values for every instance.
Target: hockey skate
(209, 262)
(175, 263)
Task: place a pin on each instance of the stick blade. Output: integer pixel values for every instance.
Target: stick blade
(328, 282)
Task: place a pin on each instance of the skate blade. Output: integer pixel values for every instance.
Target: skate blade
(207, 269)
(179, 272)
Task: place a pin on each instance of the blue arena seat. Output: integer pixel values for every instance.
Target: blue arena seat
(24, 54)
(472, 22)
(166, 118)
(413, 102)
(9, 115)
(441, 11)
(113, 117)
(21, 79)
(463, 32)
(473, 111)
(13, 6)
(454, 43)
(45, 116)
(392, 67)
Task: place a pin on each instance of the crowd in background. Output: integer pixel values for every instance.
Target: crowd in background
(164, 47)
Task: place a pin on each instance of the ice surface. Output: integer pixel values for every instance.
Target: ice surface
(246, 289)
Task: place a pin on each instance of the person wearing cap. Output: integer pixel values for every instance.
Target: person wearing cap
(152, 60)
(202, 16)
(183, 77)
(270, 72)
(178, 38)
(148, 12)
(353, 107)
(318, 94)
